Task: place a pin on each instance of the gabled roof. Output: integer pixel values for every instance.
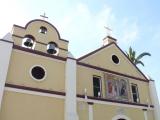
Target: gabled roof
(93, 52)
(108, 45)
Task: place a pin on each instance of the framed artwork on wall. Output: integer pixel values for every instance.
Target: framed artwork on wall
(112, 89)
(116, 88)
(123, 89)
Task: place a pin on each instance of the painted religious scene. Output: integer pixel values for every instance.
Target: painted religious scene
(116, 88)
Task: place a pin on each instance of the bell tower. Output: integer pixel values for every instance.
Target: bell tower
(41, 36)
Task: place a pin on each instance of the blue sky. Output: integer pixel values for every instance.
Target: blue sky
(134, 23)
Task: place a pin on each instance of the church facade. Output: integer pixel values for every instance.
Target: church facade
(41, 80)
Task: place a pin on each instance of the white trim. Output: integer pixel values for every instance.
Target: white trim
(34, 93)
(38, 80)
(70, 88)
(5, 52)
(112, 103)
(78, 99)
(90, 110)
(154, 99)
(145, 115)
(120, 116)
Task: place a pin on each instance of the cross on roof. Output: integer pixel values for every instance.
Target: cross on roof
(109, 31)
(44, 16)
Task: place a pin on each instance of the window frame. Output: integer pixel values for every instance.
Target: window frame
(44, 28)
(137, 92)
(100, 82)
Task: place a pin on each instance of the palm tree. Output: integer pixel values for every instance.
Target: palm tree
(136, 60)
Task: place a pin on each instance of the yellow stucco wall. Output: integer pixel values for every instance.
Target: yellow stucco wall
(108, 112)
(21, 63)
(85, 80)
(82, 109)
(103, 59)
(17, 106)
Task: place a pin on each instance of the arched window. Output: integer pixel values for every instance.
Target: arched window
(52, 48)
(120, 117)
(28, 41)
(43, 30)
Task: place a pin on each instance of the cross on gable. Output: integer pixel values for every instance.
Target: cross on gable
(44, 16)
(109, 31)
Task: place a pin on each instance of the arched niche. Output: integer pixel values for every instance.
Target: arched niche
(121, 117)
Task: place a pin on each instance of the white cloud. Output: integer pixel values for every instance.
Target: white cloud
(78, 24)
(129, 32)
(11, 12)
(82, 27)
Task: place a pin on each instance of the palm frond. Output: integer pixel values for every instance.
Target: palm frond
(142, 55)
(139, 62)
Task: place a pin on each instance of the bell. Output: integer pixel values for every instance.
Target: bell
(51, 49)
(28, 42)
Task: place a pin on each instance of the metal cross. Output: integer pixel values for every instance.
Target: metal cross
(109, 31)
(44, 16)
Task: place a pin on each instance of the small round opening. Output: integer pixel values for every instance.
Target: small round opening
(115, 59)
(38, 72)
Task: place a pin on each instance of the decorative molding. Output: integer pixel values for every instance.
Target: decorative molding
(34, 89)
(89, 100)
(34, 93)
(47, 44)
(112, 102)
(18, 36)
(38, 52)
(37, 42)
(109, 71)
